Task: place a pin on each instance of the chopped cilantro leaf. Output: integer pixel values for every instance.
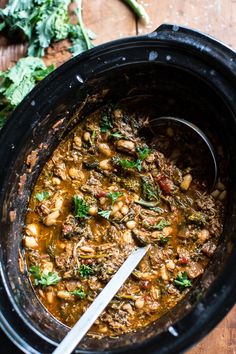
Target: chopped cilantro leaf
(117, 135)
(143, 152)
(44, 278)
(40, 196)
(182, 281)
(114, 196)
(105, 213)
(81, 207)
(162, 224)
(85, 271)
(79, 292)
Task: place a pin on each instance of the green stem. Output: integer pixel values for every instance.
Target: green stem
(81, 23)
(138, 10)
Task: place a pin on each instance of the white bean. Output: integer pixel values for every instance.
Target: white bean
(105, 149)
(220, 186)
(215, 194)
(126, 145)
(203, 235)
(32, 230)
(78, 141)
(105, 164)
(47, 266)
(65, 295)
(58, 203)
(30, 242)
(93, 210)
(170, 265)
(222, 195)
(139, 303)
(56, 181)
(164, 273)
(124, 210)
(167, 230)
(87, 249)
(131, 224)
(87, 136)
(50, 297)
(185, 184)
(51, 219)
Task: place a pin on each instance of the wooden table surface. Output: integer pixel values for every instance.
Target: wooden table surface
(111, 19)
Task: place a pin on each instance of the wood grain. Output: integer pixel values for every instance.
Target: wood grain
(214, 17)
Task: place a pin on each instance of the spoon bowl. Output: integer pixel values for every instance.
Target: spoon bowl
(192, 148)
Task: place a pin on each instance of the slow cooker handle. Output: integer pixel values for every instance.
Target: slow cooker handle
(186, 37)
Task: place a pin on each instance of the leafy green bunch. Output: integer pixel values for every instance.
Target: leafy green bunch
(43, 22)
(18, 81)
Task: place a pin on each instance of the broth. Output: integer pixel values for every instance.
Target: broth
(107, 189)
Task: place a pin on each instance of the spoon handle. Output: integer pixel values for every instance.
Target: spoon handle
(76, 334)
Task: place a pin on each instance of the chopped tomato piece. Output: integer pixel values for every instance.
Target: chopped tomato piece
(183, 260)
(165, 184)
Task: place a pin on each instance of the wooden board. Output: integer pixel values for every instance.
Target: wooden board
(111, 19)
(214, 17)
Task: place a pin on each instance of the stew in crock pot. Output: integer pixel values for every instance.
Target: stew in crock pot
(107, 189)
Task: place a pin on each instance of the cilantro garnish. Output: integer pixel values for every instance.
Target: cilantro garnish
(182, 281)
(162, 224)
(81, 207)
(105, 213)
(44, 278)
(130, 164)
(117, 135)
(40, 196)
(114, 196)
(79, 292)
(85, 271)
(143, 152)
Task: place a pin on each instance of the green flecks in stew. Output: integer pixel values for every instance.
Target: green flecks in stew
(106, 190)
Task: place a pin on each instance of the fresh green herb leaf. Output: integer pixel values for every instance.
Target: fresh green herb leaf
(114, 196)
(44, 22)
(35, 270)
(197, 218)
(117, 135)
(143, 152)
(18, 81)
(81, 207)
(42, 196)
(150, 192)
(79, 292)
(124, 163)
(162, 224)
(85, 271)
(163, 240)
(105, 213)
(44, 278)
(182, 281)
(127, 163)
(106, 123)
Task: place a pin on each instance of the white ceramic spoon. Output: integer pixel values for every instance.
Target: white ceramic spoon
(80, 329)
